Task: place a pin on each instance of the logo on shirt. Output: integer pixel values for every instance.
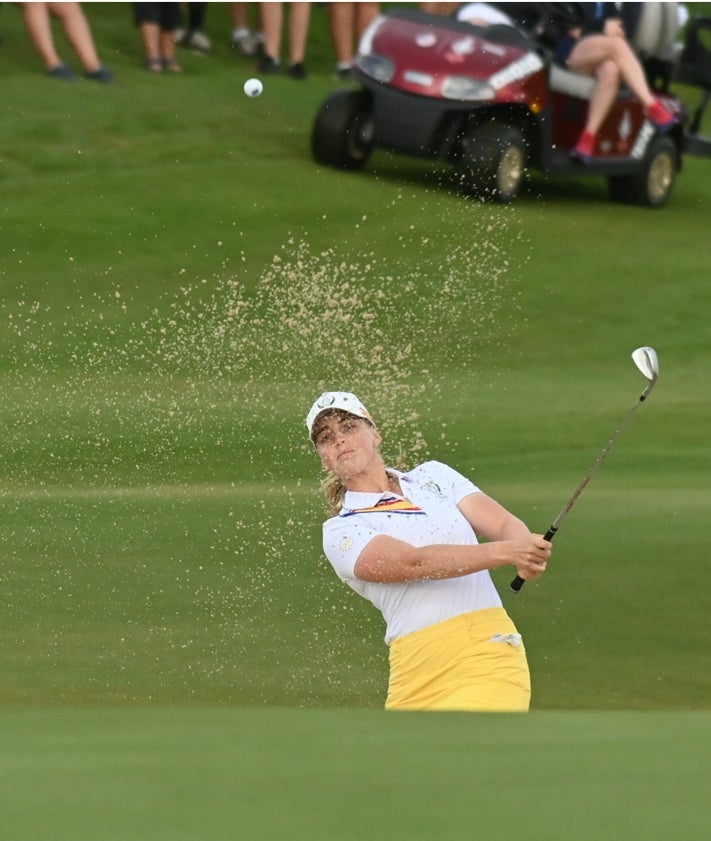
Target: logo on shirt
(433, 487)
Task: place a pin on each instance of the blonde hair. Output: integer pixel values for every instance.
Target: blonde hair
(334, 490)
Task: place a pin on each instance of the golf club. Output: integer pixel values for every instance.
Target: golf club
(645, 358)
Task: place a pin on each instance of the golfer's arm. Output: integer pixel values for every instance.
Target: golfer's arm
(491, 520)
(387, 560)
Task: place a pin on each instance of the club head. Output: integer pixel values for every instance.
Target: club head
(645, 358)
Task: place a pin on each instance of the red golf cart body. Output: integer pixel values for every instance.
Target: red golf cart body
(491, 101)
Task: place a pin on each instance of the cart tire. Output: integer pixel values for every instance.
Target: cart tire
(493, 162)
(342, 133)
(653, 185)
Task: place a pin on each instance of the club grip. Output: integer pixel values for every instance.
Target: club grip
(518, 582)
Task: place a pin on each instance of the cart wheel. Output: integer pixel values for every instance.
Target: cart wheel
(493, 162)
(342, 134)
(653, 185)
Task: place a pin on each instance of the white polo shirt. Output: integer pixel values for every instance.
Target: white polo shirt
(427, 513)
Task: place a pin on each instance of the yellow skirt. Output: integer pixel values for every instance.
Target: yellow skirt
(473, 662)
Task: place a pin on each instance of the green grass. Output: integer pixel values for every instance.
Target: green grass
(215, 774)
(178, 281)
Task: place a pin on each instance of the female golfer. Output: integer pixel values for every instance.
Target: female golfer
(408, 543)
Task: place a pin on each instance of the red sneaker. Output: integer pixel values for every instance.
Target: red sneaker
(584, 149)
(662, 117)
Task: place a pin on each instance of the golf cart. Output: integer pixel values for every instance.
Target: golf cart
(490, 101)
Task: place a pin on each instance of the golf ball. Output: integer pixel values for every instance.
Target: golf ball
(253, 87)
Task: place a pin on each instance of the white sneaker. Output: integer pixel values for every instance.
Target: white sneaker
(199, 41)
(246, 42)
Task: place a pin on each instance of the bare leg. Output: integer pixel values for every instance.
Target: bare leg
(238, 13)
(299, 16)
(365, 15)
(342, 19)
(78, 33)
(38, 26)
(167, 51)
(439, 8)
(150, 35)
(272, 16)
(590, 52)
(608, 83)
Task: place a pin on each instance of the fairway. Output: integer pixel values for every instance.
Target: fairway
(185, 774)
(179, 281)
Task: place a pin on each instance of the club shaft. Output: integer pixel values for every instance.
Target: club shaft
(518, 582)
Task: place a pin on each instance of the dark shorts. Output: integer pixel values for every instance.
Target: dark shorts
(563, 49)
(166, 15)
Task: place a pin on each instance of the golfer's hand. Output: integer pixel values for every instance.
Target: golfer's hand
(532, 556)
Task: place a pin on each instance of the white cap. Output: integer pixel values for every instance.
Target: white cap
(331, 401)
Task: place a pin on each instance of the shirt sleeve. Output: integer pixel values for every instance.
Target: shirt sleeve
(344, 538)
(452, 482)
